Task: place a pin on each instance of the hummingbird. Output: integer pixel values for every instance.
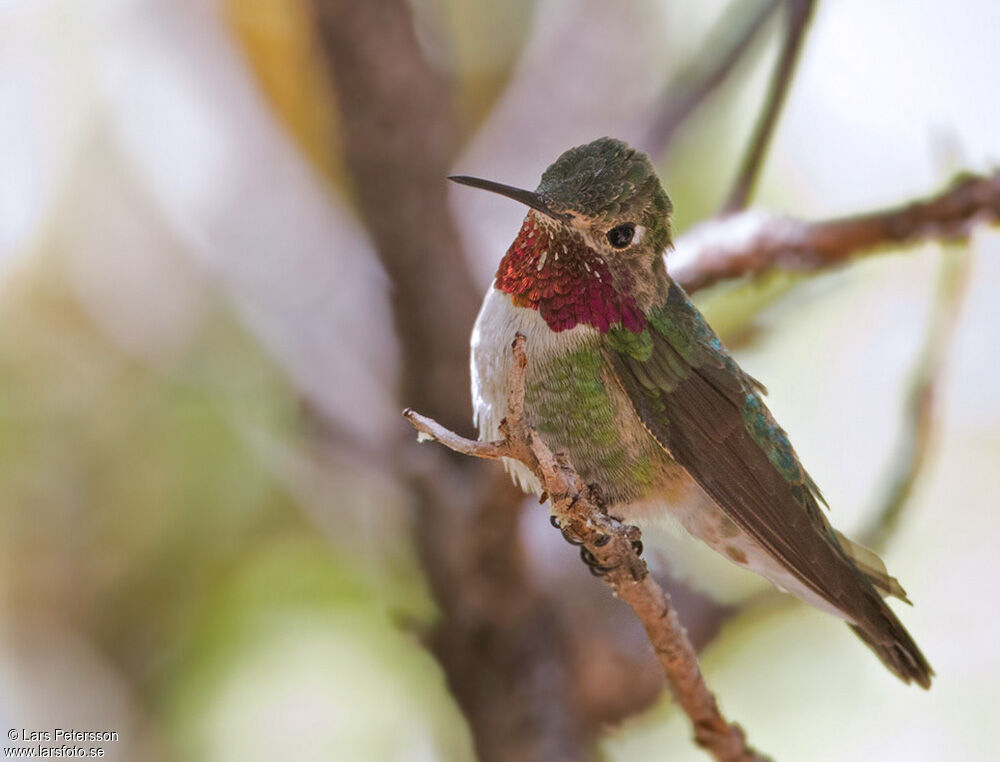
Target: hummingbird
(626, 376)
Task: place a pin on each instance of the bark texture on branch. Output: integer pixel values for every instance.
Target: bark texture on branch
(753, 243)
(612, 544)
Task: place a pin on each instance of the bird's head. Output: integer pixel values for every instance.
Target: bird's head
(590, 250)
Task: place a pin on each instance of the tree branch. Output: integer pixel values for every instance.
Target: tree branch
(752, 243)
(389, 96)
(799, 14)
(612, 544)
(499, 639)
(724, 46)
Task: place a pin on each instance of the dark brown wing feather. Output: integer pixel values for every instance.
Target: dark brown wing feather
(703, 416)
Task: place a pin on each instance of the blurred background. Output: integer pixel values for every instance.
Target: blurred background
(228, 257)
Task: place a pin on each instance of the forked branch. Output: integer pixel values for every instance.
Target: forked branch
(583, 520)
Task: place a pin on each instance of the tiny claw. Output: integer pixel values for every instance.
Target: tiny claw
(637, 547)
(569, 539)
(543, 497)
(554, 521)
(595, 568)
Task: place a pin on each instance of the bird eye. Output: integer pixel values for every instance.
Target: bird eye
(621, 235)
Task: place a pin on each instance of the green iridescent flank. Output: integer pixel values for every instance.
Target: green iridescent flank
(571, 403)
(641, 471)
(570, 397)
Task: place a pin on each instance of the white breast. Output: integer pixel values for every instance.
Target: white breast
(496, 326)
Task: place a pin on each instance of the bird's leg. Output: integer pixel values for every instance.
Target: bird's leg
(595, 567)
(597, 496)
(592, 564)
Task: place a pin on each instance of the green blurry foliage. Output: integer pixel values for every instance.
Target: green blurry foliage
(129, 495)
(296, 660)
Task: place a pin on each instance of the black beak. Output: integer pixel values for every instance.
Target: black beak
(530, 198)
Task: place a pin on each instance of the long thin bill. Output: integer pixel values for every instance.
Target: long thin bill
(530, 198)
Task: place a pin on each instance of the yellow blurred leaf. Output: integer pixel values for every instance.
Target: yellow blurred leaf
(278, 40)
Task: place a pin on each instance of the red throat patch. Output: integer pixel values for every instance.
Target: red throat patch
(556, 273)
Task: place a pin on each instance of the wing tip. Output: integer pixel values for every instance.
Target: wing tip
(901, 655)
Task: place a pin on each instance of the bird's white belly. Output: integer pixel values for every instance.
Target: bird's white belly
(499, 321)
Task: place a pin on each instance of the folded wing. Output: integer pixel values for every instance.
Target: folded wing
(709, 416)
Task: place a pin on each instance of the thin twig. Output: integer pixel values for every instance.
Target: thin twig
(799, 14)
(724, 46)
(916, 436)
(612, 544)
(753, 243)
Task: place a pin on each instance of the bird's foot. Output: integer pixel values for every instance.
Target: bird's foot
(592, 563)
(554, 521)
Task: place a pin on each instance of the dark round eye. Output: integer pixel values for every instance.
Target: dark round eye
(621, 236)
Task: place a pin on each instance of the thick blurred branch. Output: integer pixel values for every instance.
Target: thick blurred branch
(612, 544)
(725, 45)
(753, 243)
(399, 141)
(799, 13)
(500, 641)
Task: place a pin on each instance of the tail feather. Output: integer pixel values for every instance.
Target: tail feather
(894, 646)
(875, 623)
(872, 567)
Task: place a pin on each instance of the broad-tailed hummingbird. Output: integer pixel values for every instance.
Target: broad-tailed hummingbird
(626, 376)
